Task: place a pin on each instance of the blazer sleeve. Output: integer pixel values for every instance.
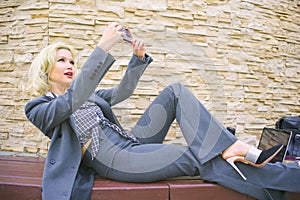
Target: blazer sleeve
(124, 90)
(47, 114)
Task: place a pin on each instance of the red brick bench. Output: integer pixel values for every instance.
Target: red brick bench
(21, 177)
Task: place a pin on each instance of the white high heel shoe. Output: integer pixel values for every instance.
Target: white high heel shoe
(254, 157)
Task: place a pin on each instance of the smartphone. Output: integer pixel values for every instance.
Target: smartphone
(128, 36)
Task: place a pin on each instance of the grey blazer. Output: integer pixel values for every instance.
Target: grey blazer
(65, 176)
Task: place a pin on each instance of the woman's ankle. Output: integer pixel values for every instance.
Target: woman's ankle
(238, 148)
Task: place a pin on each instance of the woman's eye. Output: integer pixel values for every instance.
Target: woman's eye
(72, 62)
(60, 60)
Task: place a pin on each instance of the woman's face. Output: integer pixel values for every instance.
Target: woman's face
(63, 72)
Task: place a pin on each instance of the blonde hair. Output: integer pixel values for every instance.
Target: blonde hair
(41, 66)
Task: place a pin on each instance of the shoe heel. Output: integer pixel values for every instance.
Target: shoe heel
(231, 162)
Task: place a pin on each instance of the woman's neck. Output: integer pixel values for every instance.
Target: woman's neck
(58, 91)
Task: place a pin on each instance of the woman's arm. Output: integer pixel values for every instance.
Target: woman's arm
(47, 113)
(137, 65)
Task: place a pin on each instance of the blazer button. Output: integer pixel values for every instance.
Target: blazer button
(52, 161)
(99, 65)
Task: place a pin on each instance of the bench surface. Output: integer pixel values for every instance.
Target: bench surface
(21, 178)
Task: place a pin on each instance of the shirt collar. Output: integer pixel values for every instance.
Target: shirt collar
(51, 94)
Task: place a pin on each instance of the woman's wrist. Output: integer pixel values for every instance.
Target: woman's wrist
(141, 57)
(104, 46)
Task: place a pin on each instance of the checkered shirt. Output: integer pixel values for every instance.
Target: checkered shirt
(88, 119)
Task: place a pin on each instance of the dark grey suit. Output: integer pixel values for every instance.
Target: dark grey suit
(66, 177)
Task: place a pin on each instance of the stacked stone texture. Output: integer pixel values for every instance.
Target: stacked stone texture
(241, 58)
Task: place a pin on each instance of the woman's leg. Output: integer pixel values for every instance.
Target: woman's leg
(205, 136)
(122, 160)
(163, 161)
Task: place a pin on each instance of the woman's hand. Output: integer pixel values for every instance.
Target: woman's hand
(139, 48)
(110, 36)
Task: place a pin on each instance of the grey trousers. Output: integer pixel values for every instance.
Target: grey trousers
(150, 160)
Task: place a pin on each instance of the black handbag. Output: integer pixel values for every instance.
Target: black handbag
(291, 123)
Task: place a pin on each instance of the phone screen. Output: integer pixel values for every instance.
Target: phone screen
(127, 36)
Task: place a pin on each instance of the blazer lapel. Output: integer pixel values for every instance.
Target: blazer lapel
(106, 109)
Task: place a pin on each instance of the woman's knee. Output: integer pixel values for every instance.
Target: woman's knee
(176, 88)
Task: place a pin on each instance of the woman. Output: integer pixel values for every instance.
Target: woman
(86, 138)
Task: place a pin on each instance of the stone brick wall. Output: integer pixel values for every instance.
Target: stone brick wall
(239, 57)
